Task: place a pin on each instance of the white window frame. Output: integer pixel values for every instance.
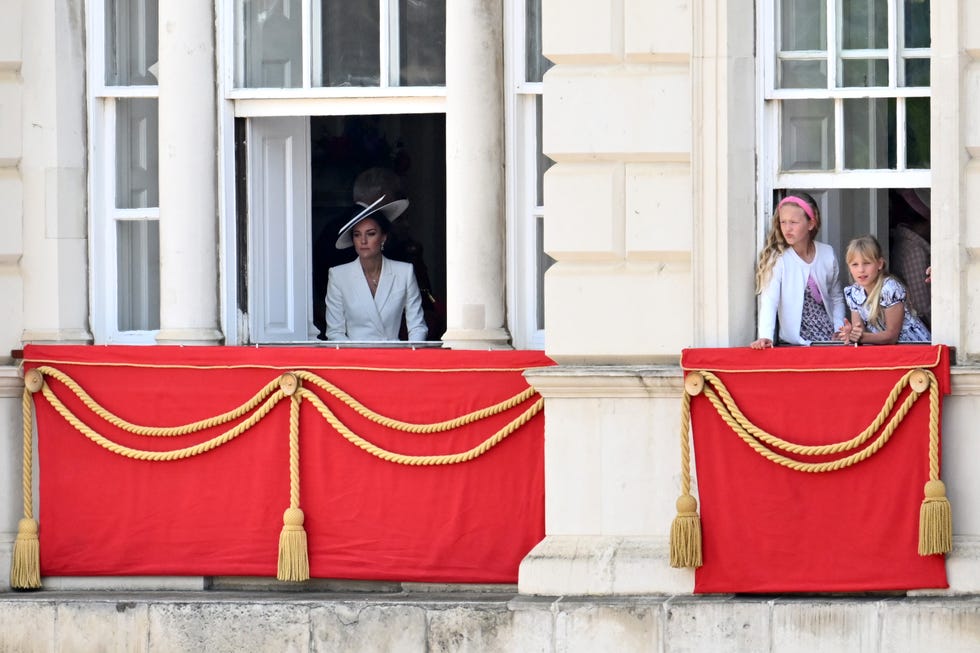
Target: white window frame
(523, 211)
(103, 214)
(240, 102)
(769, 144)
(388, 46)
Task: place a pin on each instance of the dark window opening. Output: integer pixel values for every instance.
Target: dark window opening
(900, 218)
(414, 147)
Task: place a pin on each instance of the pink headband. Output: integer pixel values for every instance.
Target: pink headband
(800, 202)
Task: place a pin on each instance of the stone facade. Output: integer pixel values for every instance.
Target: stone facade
(650, 116)
(484, 623)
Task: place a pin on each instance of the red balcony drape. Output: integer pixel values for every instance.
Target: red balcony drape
(767, 528)
(220, 512)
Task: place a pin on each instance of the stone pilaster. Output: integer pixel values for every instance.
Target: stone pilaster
(475, 175)
(188, 175)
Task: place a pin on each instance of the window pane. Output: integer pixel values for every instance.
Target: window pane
(130, 42)
(138, 274)
(542, 263)
(422, 39)
(869, 133)
(917, 33)
(272, 43)
(136, 153)
(543, 162)
(917, 132)
(864, 24)
(351, 35)
(807, 132)
(865, 72)
(917, 72)
(802, 74)
(535, 64)
(803, 25)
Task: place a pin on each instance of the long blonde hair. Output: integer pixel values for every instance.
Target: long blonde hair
(775, 243)
(869, 249)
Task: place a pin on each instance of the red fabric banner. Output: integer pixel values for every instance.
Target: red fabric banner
(768, 528)
(221, 512)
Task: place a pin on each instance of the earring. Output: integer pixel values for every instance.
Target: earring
(382, 245)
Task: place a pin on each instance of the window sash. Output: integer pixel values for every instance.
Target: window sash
(526, 165)
(902, 167)
(130, 52)
(407, 49)
(855, 200)
(833, 57)
(138, 275)
(124, 243)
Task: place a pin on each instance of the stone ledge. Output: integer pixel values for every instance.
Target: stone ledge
(232, 622)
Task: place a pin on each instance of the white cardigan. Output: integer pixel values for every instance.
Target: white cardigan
(782, 296)
(353, 314)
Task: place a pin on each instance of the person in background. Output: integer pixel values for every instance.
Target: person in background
(910, 249)
(879, 312)
(797, 278)
(368, 297)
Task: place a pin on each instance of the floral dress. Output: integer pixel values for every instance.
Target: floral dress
(815, 324)
(892, 292)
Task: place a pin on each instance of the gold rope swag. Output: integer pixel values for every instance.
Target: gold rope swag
(935, 515)
(293, 562)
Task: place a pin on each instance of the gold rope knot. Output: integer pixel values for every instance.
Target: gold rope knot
(919, 381)
(33, 381)
(694, 383)
(289, 383)
(293, 517)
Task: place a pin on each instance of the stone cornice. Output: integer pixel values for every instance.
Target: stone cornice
(965, 380)
(638, 381)
(11, 381)
(569, 381)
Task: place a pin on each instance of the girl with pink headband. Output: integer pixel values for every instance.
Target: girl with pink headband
(796, 279)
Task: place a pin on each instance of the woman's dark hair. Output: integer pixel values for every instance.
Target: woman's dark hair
(383, 223)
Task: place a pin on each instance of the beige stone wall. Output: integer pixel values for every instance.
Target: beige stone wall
(650, 209)
(956, 175)
(651, 115)
(43, 198)
(54, 266)
(650, 213)
(11, 183)
(11, 282)
(619, 206)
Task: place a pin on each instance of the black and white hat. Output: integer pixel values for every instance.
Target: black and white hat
(390, 211)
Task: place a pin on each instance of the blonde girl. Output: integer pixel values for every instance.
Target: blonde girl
(797, 278)
(880, 314)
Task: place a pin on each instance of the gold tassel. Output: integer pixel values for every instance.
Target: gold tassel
(294, 562)
(685, 534)
(935, 521)
(25, 566)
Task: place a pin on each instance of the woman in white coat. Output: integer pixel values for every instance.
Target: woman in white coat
(367, 297)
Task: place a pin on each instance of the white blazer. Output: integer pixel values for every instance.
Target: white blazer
(783, 295)
(353, 314)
